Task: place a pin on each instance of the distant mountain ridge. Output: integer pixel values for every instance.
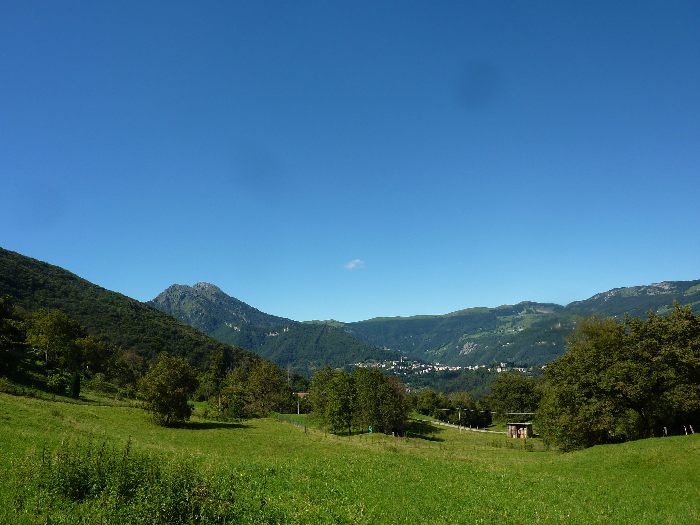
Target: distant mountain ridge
(639, 300)
(302, 346)
(528, 332)
(525, 333)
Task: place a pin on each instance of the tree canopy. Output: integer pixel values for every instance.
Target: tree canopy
(365, 398)
(12, 337)
(623, 380)
(167, 387)
(513, 392)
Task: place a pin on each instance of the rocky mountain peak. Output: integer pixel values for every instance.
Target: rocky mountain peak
(206, 287)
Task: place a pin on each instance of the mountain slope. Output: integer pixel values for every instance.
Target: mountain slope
(205, 307)
(302, 346)
(113, 317)
(473, 336)
(531, 333)
(639, 300)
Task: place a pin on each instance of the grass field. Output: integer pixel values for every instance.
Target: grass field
(285, 473)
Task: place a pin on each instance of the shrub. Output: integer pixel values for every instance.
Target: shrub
(99, 383)
(57, 383)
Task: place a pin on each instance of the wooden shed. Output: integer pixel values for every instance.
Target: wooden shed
(520, 430)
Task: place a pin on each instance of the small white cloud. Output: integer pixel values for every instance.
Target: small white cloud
(354, 264)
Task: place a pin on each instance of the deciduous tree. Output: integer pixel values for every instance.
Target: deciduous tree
(341, 402)
(166, 388)
(268, 390)
(623, 380)
(53, 334)
(512, 392)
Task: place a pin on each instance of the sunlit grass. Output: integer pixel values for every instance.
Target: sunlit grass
(292, 473)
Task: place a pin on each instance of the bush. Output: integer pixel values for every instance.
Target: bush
(57, 383)
(99, 383)
(8, 387)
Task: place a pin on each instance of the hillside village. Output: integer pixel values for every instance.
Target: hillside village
(408, 367)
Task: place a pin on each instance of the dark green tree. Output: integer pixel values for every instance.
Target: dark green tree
(90, 354)
(663, 364)
(367, 384)
(13, 350)
(623, 380)
(341, 402)
(512, 392)
(430, 403)
(126, 367)
(578, 409)
(75, 385)
(393, 410)
(232, 400)
(268, 390)
(319, 387)
(167, 387)
(464, 409)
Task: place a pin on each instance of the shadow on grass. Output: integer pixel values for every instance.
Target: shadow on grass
(415, 429)
(421, 429)
(210, 425)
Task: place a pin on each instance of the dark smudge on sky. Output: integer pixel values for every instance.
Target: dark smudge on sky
(480, 85)
(258, 170)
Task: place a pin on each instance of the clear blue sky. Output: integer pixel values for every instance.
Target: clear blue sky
(355, 159)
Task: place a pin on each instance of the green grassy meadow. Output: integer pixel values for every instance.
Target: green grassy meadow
(280, 472)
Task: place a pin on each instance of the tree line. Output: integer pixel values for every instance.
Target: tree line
(53, 351)
(50, 350)
(622, 380)
(619, 380)
(364, 400)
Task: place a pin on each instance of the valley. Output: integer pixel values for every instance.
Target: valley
(276, 472)
(527, 334)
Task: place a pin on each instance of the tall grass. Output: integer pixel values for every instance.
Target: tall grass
(86, 482)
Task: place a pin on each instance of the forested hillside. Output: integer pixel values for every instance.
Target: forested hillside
(525, 333)
(114, 318)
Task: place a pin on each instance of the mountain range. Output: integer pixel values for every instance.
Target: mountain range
(302, 346)
(527, 333)
(197, 320)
